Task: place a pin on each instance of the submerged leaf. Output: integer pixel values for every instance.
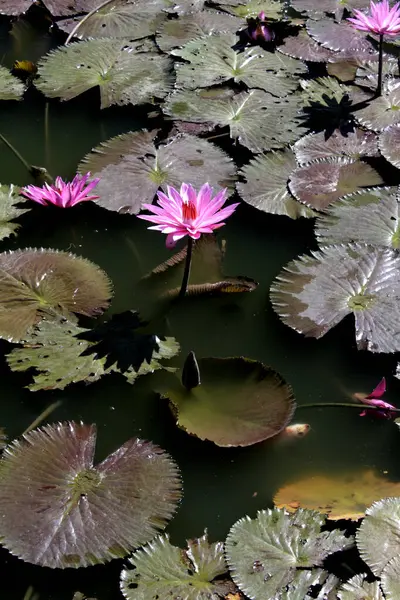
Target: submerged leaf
(11, 88)
(314, 293)
(354, 144)
(358, 588)
(35, 283)
(88, 514)
(162, 570)
(240, 402)
(9, 210)
(124, 73)
(131, 168)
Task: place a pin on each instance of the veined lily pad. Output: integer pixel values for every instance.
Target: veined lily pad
(56, 7)
(321, 182)
(264, 554)
(370, 217)
(256, 119)
(389, 141)
(88, 514)
(304, 47)
(131, 169)
(183, 7)
(124, 73)
(213, 60)
(271, 193)
(358, 588)
(324, 91)
(35, 283)
(314, 293)
(240, 402)
(162, 570)
(381, 112)
(391, 579)
(336, 7)
(345, 496)
(251, 8)
(11, 88)
(9, 209)
(338, 36)
(355, 144)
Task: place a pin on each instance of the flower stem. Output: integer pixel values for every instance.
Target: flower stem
(345, 404)
(186, 272)
(380, 67)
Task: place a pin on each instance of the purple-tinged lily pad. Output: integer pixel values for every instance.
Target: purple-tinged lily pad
(251, 8)
(339, 36)
(314, 293)
(318, 10)
(381, 112)
(304, 47)
(60, 510)
(240, 402)
(355, 144)
(57, 8)
(389, 144)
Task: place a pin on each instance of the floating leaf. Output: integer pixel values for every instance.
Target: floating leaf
(162, 570)
(11, 88)
(325, 91)
(264, 553)
(251, 8)
(304, 47)
(314, 293)
(391, 579)
(343, 69)
(131, 169)
(35, 283)
(321, 182)
(343, 496)
(88, 514)
(240, 402)
(371, 217)
(256, 119)
(389, 144)
(339, 36)
(9, 210)
(355, 144)
(336, 7)
(213, 60)
(381, 112)
(358, 588)
(182, 7)
(56, 7)
(125, 75)
(271, 193)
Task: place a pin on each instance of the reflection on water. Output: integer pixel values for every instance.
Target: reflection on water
(220, 485)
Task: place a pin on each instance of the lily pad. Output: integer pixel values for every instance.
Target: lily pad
(162, 570)
(57, 8)
(35, 283)
(240, 402)
(339, 36)
(11, 207)
(343, 69)
(326, 91)
(358, 588)
(371, 217)
(256, 119)
(88, 514)
(124, 74)
(304, 47)
(381, 112)
(271, 194)
(252, 8)
(319, 9)
(314, 293)
(267, 553)
(391, 579)
(344, 496)
(131, 168)
(321, 182)
(355, 144)
(389, 141)
(213, 60)
(11, 88)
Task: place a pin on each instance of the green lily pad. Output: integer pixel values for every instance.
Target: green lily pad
(131, 168)
(243, 113)
(324, 91)
(35, 283)
(268, 553)
(161, 570)
(371, 217)
(251, 8)
(271, 194)
(88, 514)
(355, 144)
(124, 74)
(183, 7)
(358, 588)
(314, 293)
(381, 112)
(240, 402)
(321, 182)
(304, 47)
(11, 88)
(9, 210)
(213, 60)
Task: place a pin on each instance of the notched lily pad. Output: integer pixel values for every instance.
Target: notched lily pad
(389, 144)
(304, 47)
(163, 570)
(314, 293)
(131, 168)
(355, 144)
(318, 10)
(56, 7)
(11, 207)
(359, 588)
(88, 514)
(11, 88)
(339, 36)
(240, 402)
(381, 112)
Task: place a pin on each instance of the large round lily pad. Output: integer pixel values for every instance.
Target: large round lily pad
(354, 144)
(239, 402)
(59, 510)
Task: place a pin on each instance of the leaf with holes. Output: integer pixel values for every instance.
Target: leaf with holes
(314, 293)
(161, 570)
(270, 194)
(89, 513)
(131, 168)
(321, 182)
(355, 144)
(124, 73)
(359, 588)
(36, 283)
(266, 554)
(11, 88)
(11, 207)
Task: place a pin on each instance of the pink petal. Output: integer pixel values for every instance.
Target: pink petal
(379, 390)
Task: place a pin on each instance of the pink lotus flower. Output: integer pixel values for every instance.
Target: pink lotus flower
(61, 194)
(188, 213)
(382, 20)
(258, 30)
(374, 399)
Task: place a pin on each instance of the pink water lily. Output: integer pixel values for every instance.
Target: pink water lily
(382, 19)
(62, 194)
(258, 30)
(187, 212)
(374, 399)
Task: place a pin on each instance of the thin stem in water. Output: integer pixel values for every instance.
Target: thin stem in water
(85, 18)
(188, 263)
(380, 67)
(16, 153)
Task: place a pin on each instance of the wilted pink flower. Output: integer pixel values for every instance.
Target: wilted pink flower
(382, 19)
(188, 213)
(258, 30)
(373, 399)
(61, 194)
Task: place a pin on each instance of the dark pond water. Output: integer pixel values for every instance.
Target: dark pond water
(220, 485)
